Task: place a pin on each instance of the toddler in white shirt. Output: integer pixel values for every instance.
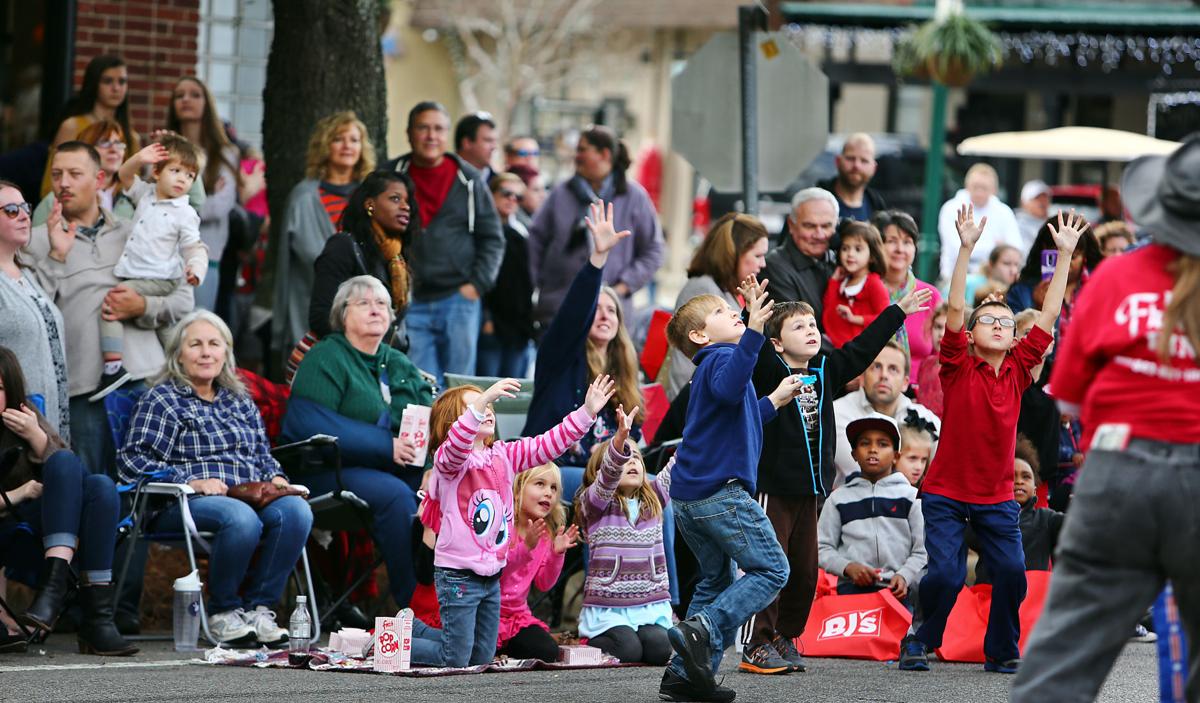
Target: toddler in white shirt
(164, 245)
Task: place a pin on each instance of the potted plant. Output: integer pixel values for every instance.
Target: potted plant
(951, 50)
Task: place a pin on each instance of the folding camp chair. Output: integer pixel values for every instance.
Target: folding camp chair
(148, 495)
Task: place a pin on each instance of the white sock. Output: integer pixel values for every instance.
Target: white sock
(112, 367)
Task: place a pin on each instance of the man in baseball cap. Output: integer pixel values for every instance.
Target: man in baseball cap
(1035, 208)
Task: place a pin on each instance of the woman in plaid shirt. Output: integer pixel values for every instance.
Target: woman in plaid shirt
(198, 424)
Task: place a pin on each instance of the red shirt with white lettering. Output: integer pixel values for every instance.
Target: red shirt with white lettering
(1108, 362)
(433, 185)
(974, 459)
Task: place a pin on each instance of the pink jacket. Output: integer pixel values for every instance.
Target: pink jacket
(526, 568)
(475, 489)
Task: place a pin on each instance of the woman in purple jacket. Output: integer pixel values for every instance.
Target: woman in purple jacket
(559, 243)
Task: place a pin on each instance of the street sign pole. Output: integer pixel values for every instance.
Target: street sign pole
(749, 20)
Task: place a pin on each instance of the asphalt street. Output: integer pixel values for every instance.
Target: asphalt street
(54, 673)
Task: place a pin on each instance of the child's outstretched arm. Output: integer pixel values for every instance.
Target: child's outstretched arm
(152, 154)
(1066, 236)
(856, 355)
(528, 452)
(662, 482)
(968, 235)
(460, 440)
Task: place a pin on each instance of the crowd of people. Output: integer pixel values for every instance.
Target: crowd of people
(836, 412)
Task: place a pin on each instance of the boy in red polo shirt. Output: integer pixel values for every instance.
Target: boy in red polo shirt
(970, 481)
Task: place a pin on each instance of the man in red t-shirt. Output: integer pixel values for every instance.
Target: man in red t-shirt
(970, 481)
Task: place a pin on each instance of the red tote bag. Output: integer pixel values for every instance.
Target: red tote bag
(863, 626)
(963, 639)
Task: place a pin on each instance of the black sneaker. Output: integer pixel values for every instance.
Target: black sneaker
(996, 666)
(676, 688)
(691, 642)
(913, 655)
(110, 382)
(791, 655)
(12, 644)
(763, 659)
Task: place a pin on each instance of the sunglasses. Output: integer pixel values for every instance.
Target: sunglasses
(110, 144)
(14, 210)
(508, 194)
(527, 152)
(1006, 322)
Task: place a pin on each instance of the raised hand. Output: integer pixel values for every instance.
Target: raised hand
(599, 393)
(1068, 232)
(504, 388)
(600, 223)
(968, 231)
(917, 300)
(566, 538)
(61, 234)
(150, 154)
(757, 306)
(624, 426)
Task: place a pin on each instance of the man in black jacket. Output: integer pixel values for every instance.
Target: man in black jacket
(796, 464)
(855, 169)
(798, 269)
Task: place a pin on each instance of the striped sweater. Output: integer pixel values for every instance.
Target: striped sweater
(627, 565)
(475, 489)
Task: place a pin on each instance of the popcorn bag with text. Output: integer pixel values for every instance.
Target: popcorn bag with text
(393, 642)
(414, 426)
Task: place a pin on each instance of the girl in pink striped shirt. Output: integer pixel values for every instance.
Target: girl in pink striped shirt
(473, 482)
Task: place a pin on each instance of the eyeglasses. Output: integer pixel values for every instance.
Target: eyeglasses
(527, 152)
(110, 144)
(508, 194)
(374, 303)
(14, 210)
(1005, 322)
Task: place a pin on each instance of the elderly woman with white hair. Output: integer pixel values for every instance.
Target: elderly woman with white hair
(355, 387)
(198, 423)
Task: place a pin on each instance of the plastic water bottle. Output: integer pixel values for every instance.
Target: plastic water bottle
(187, 612)
(299, 633)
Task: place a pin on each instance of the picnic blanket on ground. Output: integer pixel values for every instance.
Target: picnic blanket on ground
(328, 660)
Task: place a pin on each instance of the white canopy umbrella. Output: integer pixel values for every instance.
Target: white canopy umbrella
(1067, 144)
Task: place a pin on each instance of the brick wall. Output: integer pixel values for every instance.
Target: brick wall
(157, 39)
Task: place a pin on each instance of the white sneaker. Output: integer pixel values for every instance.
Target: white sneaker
(229, 627)
(266, 630)
(1141, 634)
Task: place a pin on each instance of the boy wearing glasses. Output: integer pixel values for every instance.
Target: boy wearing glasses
(970, 481)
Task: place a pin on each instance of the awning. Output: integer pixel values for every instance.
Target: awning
(1067, 144)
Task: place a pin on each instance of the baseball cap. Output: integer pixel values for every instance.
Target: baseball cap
(874, 421)
(1033, 189)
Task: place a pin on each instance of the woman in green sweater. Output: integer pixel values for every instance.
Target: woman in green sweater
(356, 388)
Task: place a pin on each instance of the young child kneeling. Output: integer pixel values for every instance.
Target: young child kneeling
(626, 596)
(871, 533)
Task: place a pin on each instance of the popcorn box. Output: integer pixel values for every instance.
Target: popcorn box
(579, 654)
(414, 426)
(393, 642)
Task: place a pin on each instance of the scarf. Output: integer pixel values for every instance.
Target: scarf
(901, 336)
(392, 250)
(582, 190)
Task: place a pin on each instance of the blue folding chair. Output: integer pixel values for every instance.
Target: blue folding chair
(119, 406)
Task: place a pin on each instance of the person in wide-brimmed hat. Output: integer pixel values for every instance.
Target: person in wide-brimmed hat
(1128, 367)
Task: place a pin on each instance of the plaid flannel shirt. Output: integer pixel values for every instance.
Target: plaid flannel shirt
(172, 428)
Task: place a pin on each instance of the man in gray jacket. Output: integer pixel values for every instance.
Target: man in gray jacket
(456, 257)
(73, 256)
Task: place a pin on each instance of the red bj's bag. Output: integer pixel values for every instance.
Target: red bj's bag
(864, 626)
(963, 639)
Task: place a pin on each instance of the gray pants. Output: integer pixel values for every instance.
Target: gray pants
(1133, 525)
(112, 332)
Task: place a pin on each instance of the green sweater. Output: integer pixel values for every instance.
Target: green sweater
(337, 376)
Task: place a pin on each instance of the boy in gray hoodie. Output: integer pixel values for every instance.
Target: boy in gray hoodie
(871, 533)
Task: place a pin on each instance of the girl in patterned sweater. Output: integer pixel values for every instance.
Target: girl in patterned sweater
(626, 596)
(473, 484)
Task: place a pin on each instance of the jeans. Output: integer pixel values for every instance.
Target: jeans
(206, 293)
(393, 503)
(728, 531)
(998, 529)
(78, 510)
(503, 358)
(426, 644)
(91, 436)
(1132, 527)
(281, 527)
(470, 606)
(443, 335)
(572, 479)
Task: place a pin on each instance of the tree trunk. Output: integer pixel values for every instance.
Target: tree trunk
(325, 57)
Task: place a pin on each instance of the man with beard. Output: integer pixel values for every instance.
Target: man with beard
(855, 169)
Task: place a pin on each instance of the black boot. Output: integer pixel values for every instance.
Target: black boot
(97, 633)
(56, 581)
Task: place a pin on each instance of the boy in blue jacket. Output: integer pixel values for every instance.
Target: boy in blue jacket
(715, 473)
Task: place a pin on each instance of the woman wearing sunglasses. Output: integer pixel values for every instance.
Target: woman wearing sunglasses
(33, 325)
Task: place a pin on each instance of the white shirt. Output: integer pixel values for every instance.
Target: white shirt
(162, 229)
(853, 406)
(1001, 229)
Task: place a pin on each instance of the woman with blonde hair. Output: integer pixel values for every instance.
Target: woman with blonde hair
(734, 248)
(339, 157)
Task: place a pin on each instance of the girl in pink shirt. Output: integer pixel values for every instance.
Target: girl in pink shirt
(535, 559)
(473, 484)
